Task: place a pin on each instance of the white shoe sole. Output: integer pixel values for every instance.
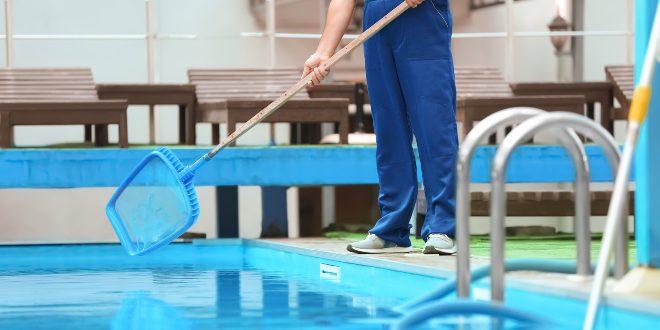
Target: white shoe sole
(397, 249)
(434, 250)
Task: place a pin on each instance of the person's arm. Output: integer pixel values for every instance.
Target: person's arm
(339, 15)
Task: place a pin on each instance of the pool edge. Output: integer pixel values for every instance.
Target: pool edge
(628, 303)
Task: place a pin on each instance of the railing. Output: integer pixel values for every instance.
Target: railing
(520, 134)
(485, 128)
(533, 122)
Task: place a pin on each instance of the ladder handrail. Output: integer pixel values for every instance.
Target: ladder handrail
(520, 134)
(485, 128)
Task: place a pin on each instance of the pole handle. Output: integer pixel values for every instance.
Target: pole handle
(286, 96)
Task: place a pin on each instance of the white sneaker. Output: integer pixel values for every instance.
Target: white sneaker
(374, 245)
(439, 244)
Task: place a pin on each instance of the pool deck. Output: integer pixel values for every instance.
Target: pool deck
(572, 286)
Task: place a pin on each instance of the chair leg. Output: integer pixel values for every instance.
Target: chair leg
(88, 133)
(5, 131)
(231, 128)
(123, 130)
(101, 135)
(182, 124)
(343, 130)
(591, 111)
(215, 133)
(190, 122)
(467, 125)
(606, 114)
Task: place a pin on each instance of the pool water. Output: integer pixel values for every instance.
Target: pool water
(185, 286)
(228, 285)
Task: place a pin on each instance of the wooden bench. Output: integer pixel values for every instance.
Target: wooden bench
(233, 96)
(622, 78)
(66, 96)
(482, 91)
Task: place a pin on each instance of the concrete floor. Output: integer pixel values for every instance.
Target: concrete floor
(573, 286)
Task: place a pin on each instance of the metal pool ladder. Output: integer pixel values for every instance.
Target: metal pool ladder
(533, 121)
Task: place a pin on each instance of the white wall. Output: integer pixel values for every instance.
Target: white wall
(534, 56)
(604, 15)
(76, 214)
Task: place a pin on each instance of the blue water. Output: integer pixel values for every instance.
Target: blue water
(185, 286)
(225, 286)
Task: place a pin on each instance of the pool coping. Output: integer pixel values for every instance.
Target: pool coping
(575, 288)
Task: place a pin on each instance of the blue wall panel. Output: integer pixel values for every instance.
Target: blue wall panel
(647, 208)
(267, 166)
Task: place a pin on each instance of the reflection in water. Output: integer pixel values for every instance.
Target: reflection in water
(183, 298)
(265, 299)
(139, 311)
(183, 287)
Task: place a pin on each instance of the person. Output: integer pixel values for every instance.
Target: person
(410, 77)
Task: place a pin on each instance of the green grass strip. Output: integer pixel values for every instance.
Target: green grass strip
(552, 247)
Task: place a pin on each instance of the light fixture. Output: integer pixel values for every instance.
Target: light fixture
(559, 24)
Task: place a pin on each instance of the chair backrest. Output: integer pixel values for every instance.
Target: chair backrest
(623, 79)
(212, 85)
(47, 84)
(221, 84)
(481, 82)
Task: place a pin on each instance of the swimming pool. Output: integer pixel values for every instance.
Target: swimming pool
(229, 284)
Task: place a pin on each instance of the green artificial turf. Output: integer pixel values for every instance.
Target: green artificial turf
(553, 247)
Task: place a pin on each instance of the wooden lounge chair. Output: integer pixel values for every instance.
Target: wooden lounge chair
(482, 91)
(356, 93)
(622, 78)
(65, 96)
(593, 91)
(182, 95)
(233, 96)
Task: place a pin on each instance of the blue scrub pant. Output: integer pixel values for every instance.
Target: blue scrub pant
(410, 74)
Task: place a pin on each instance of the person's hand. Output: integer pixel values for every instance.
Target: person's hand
(316, 64)
(414, 3)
